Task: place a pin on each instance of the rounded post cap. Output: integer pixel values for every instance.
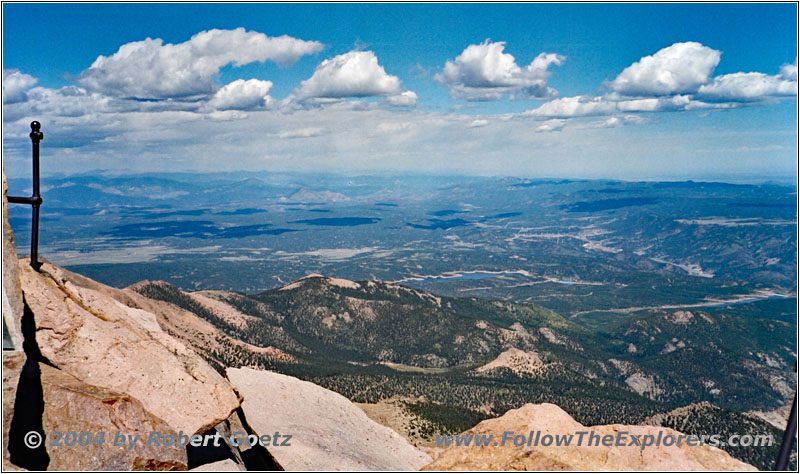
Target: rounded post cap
(36, 135)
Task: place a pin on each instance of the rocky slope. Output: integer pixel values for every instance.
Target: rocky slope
(96, 360)
(12, 294)
(727, 358)
(674, 358)
(328, 431)
(101, 359)
(372, 341)
(394, 413)
(118, 344)
(551, 420)
(517, 361)
(705, 418)
(371, 322)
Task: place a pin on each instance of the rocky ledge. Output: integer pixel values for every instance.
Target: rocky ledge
(550, 420)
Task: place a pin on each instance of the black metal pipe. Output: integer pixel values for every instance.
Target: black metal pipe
(36, 136)
(24, 200)
(782, 463)
(35, 200)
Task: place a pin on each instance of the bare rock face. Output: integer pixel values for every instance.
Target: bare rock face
(71, 405)
(12, 295)
(13, 361)
(328, 431)
(518, 361)
(551, 420)
(776, 418)
(103, 337)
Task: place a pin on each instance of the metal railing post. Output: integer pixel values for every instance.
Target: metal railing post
(36, 199)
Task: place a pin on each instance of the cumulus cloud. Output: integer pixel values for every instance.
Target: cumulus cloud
(69, 101)
(677, 69)
(304, 132)
(243, 95)
(611, 122)
(405, 99)
(577, 106)
(72, 101)
(477, 123)
(551, 125)
(585, 106)
(353, 74)
(150, 69)
(676, 78)
(749, 86)
(484, 72)
(789, 71)
(619, 121)
(15, 84)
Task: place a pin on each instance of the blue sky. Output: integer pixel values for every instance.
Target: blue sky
(581, 90)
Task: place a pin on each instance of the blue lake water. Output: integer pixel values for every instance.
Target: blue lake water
(749, 300)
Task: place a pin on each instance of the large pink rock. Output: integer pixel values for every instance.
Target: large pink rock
(329, 433)
(12, 295)
(551, 420)
(104, 337)
(73, 406)
(13, 361)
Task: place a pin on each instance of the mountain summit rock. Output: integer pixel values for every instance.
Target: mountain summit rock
(115, 343)
(328, 431)
(550, 419)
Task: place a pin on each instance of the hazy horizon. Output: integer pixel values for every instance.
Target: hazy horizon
(23, 173)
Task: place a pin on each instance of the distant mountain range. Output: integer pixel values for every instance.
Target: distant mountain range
(373, 340)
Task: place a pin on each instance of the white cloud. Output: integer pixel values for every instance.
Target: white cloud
(577, 106)
(551, 125)
(73, 101)
(15, 83)
(394, 127)
(305, 132)
(353, 74)
(243, 95)
(584, 106)
(635, 119)
(93, 130)
(477, 123)
(619, 121)
(154, 70)
(354, 141)
(227, 115)
(680, 68)
(484, 72)
(70, 101)
(676, 78)
(749, 86)
(789, 71)
(405, 99)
